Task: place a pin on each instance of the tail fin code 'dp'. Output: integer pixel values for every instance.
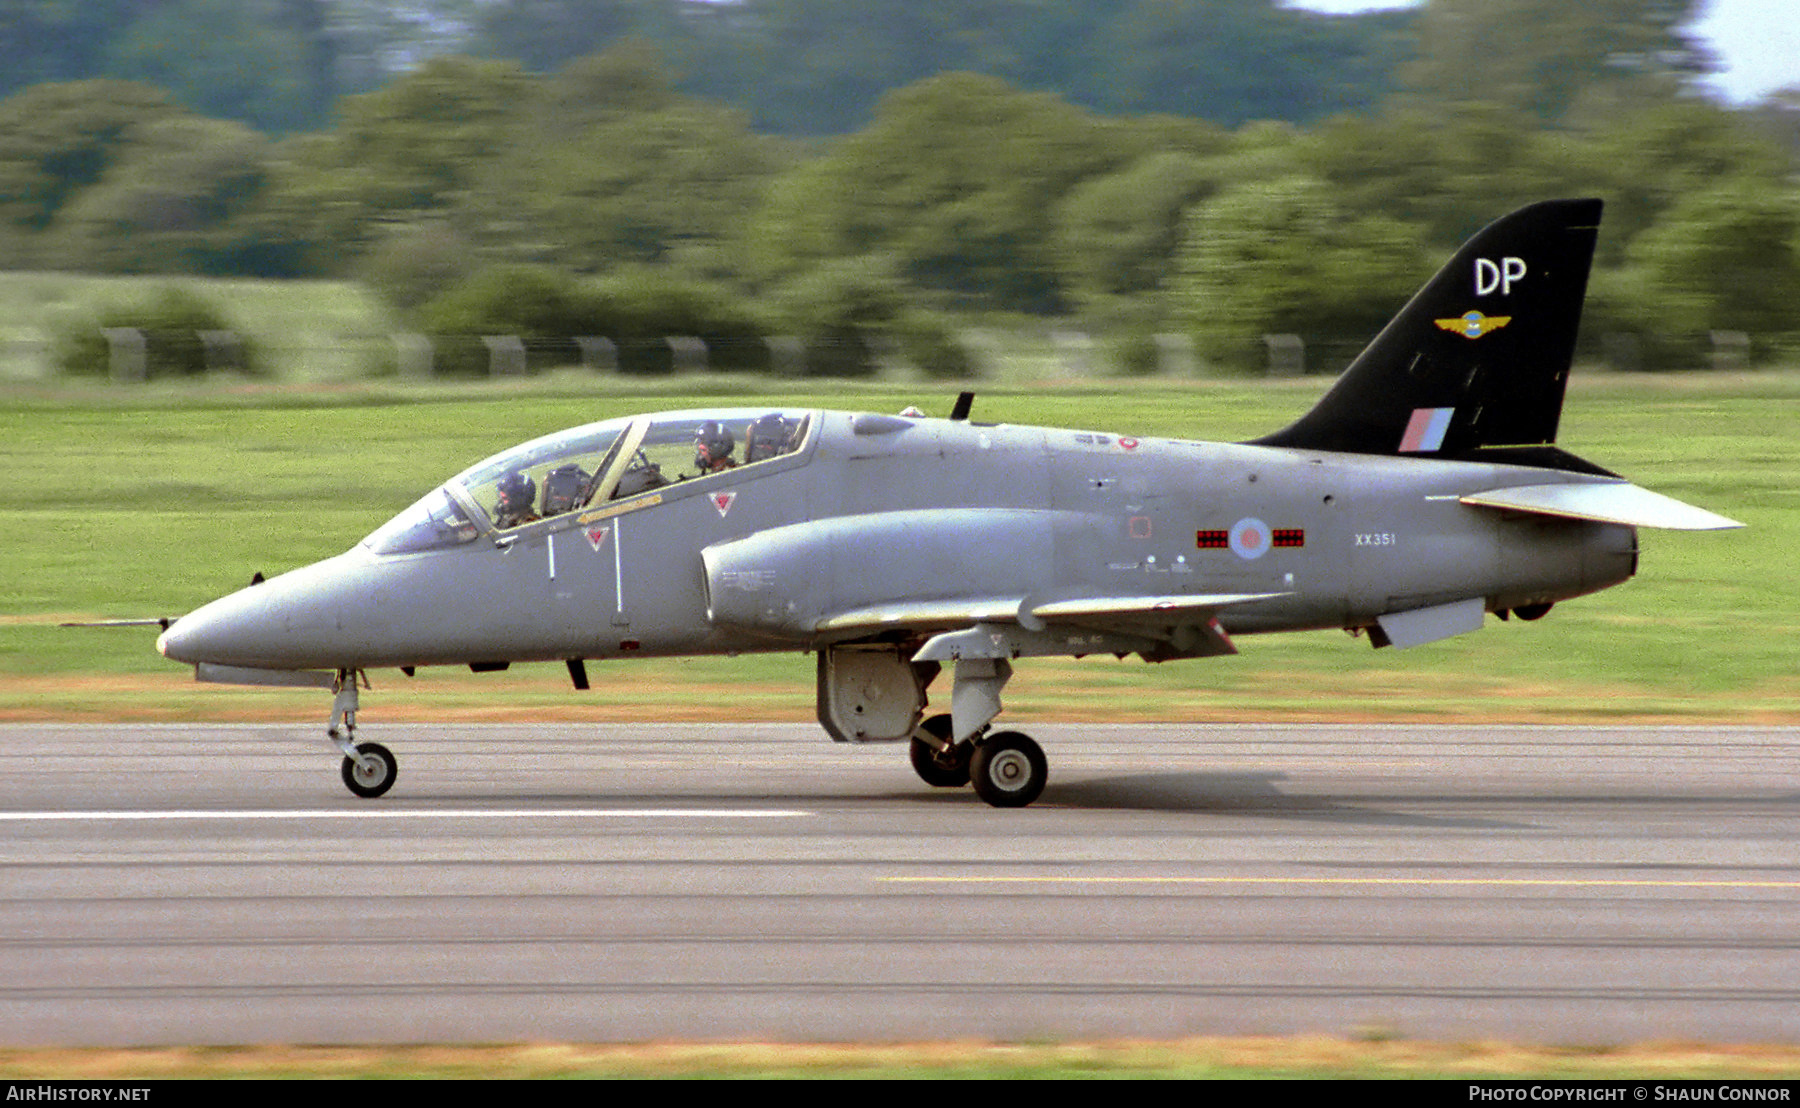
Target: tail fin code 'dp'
(1479, 357)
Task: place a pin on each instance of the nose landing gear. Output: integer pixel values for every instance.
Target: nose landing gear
(369, 768)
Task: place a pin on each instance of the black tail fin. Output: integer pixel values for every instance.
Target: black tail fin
(1479, 356)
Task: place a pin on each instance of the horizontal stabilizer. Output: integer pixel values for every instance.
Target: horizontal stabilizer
(1603, 502)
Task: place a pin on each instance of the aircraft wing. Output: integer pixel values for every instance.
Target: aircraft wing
(922, 615)
(1088, 611)
(1603, 502)
(1102, 608)
(1175, 625)
(1034, 614)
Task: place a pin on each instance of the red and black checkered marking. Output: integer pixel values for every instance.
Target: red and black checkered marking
(1289, 537)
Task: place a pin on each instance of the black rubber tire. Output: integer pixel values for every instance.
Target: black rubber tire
(376, 779)
(934, 766)
(1009, 770)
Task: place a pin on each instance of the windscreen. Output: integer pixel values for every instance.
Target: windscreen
(434, 522)
(572, 470)
(544, 478)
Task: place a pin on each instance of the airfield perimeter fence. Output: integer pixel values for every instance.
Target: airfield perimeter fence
(134, 354)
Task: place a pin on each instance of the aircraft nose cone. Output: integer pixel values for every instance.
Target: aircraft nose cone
(217, 633)
(317, 617)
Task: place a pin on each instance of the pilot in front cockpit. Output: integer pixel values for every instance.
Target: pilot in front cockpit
(713, 445)
(517, 495)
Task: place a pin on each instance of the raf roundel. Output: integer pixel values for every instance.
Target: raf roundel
(1249, 539)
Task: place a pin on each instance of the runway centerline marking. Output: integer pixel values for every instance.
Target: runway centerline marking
(421, 813)
(1427, 882)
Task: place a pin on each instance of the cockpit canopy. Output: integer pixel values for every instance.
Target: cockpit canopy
(585, 466)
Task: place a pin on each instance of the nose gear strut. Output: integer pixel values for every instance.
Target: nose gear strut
(369, 768)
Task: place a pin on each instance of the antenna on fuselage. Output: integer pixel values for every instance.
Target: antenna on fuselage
(964, 401)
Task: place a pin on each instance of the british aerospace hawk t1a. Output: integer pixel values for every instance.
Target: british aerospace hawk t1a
(1423, 492)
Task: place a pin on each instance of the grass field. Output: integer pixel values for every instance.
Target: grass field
(1229, 1058)
(148, 502)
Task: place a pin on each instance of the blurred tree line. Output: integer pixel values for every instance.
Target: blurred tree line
(797, 67)
(1224, 168)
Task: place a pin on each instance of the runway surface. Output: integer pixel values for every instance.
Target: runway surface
(217, 884)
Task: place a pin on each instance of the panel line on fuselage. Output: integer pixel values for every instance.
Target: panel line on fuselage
(618, 538)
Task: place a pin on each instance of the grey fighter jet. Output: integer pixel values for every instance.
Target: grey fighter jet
(1423, 492)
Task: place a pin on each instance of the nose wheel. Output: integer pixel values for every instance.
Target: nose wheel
(372, 771)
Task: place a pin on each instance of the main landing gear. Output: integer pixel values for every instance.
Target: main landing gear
(875, 692)
(369, 768)
(1008, 769)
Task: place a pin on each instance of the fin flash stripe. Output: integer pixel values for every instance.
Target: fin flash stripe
(1426, 429)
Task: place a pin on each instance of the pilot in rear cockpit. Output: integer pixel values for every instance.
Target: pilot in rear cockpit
(713, 445)
(767, 438)
(565, 489)
(517, 493)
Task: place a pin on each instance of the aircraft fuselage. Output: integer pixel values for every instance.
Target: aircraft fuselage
(877, 510)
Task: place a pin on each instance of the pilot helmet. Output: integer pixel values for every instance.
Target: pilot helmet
(766, 438)
(712, 442)
(517, 491)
